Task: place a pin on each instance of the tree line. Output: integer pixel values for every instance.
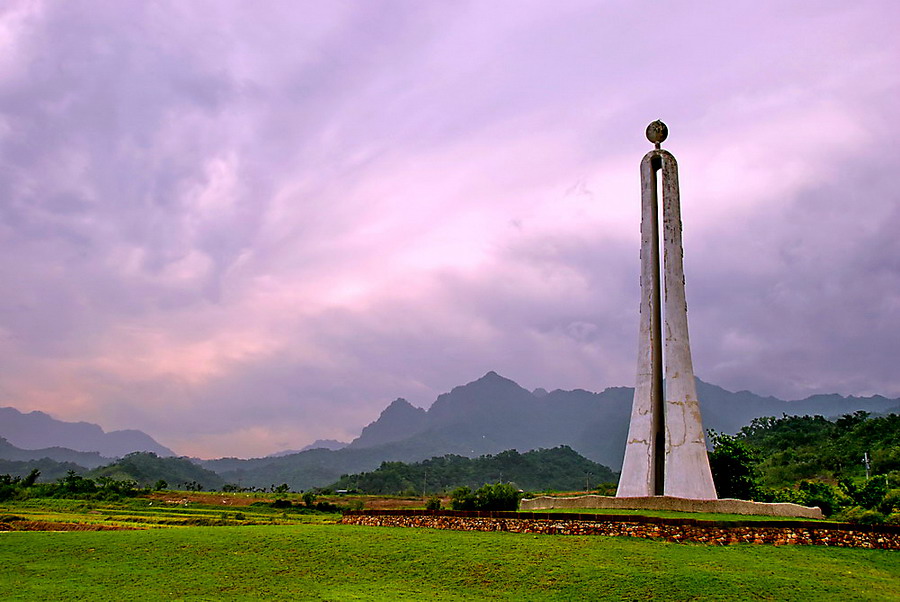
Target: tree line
(560, 468)
(72, 486)
(849, 467)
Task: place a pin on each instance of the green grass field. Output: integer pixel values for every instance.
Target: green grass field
(343, 562)
(267, 553)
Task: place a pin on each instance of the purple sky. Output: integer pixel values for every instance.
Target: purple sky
(242, 226)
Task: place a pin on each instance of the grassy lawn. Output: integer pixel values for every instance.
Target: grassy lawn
(345, 562)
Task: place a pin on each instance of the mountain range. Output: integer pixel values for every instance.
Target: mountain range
(494, 414)
(36, 430)
(8, 451)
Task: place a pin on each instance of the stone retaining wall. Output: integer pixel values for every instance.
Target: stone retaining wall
(670, 529)
(665, 502)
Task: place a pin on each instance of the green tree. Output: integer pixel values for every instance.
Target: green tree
(871, 494)
(31, 478)
(733, 466)
(462, 498)
(75, 484)
(823, 495)
(499, 496)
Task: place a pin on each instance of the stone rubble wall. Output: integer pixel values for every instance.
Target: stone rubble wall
(674, 530)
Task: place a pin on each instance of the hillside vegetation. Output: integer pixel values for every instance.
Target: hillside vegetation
(50, 470)
(147, 469)
(793, 448)
(560, 468)
(814, 461)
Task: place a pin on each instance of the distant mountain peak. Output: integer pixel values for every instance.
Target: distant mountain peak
(491, 394)
(399, 420)
(331, 444)
(490, 382)
(400, 408)
(401, 403)
(494, 377)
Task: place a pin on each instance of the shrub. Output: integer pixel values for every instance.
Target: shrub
(863, 516)
(500, 496)
(893, 478)
(823, 495)
(462, 498)
(873, 492)
(607, 488)
(433, 503)
(327, 507)
(891, 502)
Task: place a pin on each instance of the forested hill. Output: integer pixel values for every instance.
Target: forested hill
(792, 448)
(814, 461)
(560, 468)
(149, 470)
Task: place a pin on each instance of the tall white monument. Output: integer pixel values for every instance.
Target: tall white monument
(666, 449)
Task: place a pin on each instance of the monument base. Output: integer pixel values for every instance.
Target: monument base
(662, 502)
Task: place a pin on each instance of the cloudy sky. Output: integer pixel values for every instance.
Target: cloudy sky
(243, 226)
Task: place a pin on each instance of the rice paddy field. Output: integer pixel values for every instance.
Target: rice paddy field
(210, 549)
(155, 512)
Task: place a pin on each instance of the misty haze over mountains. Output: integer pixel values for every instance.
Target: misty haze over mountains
(38, 430)
(494, 413)
(486, 416)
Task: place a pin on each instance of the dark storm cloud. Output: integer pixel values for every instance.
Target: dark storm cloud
(243, 227)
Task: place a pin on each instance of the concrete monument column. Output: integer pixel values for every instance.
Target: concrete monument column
(665, 453)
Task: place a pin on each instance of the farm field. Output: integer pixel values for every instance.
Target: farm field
(186, 508)
(156, 511)
(271, 554)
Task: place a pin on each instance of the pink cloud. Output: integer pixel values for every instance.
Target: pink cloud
(238, 229)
